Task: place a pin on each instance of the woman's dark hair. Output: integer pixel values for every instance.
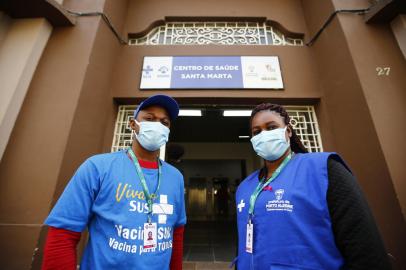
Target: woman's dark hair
(295, 144)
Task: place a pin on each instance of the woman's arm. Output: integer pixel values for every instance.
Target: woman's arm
(355, 231)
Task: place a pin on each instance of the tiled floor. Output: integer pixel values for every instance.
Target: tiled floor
(209, 245)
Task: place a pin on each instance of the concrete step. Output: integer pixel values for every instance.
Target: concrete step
(206, 266)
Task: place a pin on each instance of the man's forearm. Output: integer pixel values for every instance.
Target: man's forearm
(60, 249)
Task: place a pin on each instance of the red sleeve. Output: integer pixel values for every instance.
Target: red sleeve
(60, 249)
(177, 249)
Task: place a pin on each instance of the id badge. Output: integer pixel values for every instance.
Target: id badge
(249, 238)
(150, 234)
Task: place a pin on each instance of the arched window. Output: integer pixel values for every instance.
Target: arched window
(217, 33)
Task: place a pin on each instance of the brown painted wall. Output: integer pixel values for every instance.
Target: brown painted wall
(69, 112)
(349, 116)
(62, 122)
(384, 94)
(298, 71)
(300, 81)
(141, 14)
(28, 180)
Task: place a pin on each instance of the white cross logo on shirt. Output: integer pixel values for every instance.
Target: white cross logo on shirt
(162, 209)
(240, 206)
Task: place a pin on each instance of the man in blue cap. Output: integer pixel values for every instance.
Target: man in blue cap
(131, 202)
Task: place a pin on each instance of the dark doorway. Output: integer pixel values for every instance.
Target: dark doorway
(215, 156)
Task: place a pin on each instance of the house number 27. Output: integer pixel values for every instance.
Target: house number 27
(383, 71)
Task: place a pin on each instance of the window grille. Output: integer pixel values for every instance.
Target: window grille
(303, 120)
(218, 33)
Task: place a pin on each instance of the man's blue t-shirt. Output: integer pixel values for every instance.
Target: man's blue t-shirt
(105, 195)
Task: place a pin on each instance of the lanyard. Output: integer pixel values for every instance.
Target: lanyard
(144, 183)
(262, 184)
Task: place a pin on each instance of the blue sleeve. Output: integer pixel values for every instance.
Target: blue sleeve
(181, 209)
(73, 210)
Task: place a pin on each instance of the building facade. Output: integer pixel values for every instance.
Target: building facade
(65, 78)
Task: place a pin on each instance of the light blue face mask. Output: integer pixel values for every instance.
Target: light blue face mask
(152, 135)
(270, 144)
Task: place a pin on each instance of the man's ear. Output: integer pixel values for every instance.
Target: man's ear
(134, 126)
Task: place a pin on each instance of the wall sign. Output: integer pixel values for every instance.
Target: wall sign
(211, 72)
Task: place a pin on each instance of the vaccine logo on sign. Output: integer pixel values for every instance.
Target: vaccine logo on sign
(146, 72)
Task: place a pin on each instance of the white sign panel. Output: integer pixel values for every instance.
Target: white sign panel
(211, 72)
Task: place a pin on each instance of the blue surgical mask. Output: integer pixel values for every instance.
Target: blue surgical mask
(152, 135)
(270, 144)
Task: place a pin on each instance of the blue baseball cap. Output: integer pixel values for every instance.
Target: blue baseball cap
(168, 103)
